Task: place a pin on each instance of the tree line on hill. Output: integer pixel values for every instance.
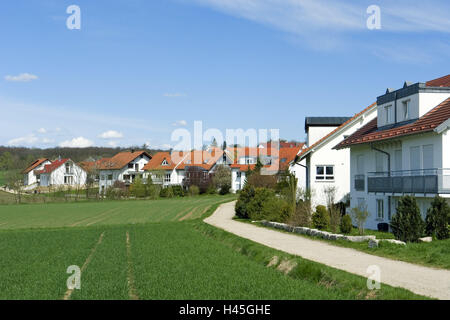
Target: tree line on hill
(18, 158)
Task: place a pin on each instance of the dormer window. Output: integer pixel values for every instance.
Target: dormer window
(405, 109)
(387, 114)
(165, 163)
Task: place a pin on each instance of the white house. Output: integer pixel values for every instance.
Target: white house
(170, 169)
(404, 151)
(61, 172)
(30, 178)
(273, 161)
(124, 167)
(326, 167)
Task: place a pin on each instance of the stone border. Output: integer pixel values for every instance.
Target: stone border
(373, 241)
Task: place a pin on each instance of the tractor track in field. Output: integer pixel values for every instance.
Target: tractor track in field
(131, 287)
(68, 293)
(94, 217)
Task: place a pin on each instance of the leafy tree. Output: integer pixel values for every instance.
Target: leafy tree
(245, 196)
(222, 178)
(138, 189)
(335, 213)
(6, 161)
(407, 224)
(436, 222)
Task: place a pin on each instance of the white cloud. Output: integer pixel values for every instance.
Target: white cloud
(179, 123)
(47, 141)
(174, 95)
(306, 16)
(42, 130)
(23, 77)
(112, 144)
(111, 134)
(23, 141)
(79, 142)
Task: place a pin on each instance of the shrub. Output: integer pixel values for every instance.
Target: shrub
(407, 224)
(321, 218)
(225, 189)
(153, 191)
(138, 189)
(303, 211)
(211, 189)
(255, 206)
(166, 193)
(346, 224)
(245, 196)
(193, 190)
(436, 222)
(178, 191)
(275, 209)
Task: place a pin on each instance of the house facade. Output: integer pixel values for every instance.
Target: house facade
(323, 166)
(61, 172)
(169, 169)
(30, 177)
(124, 167)
(404, 151)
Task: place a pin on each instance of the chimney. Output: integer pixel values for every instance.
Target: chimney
(132, 150)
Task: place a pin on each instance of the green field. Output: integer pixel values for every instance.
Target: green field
(156, 249)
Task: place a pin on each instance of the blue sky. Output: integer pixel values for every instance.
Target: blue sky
(137, 69)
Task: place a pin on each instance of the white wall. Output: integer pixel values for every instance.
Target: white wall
(56, 177)
(316, 133)
(30, 177)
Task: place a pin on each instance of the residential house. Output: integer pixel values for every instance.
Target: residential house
(324, 167)
(274, 160)
(405, 150)
(61, 172)
(124, 167)
(31, 179)
(175, 168)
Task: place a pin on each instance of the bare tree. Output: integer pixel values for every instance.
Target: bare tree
(14, 182)
(360, 215)
(335, 213)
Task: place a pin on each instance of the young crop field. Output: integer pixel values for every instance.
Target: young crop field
(78, 214)
(154, 250)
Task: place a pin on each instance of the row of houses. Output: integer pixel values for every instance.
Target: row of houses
(398, 145)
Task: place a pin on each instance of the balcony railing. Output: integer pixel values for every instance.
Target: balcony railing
(425, 181)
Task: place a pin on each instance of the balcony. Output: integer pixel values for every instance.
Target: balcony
(424, 181)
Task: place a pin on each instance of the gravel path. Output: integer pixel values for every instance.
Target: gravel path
(418, 279)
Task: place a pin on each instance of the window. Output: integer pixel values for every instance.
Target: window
(136, 167)
(126, 177)
(405, 109)
(68, 168)
(68, 180)
(110, 177)
(103, 177)
(238, 186)
(130, 166)
(325, 173)
(380, 209)
(167, 178)
(398, 160)
(238, 174)
(165, 163)
(414, 158)
(427, 157)
(387, 114)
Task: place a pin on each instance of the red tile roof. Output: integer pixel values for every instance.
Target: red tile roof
(53, 166)
(439, 82)
(156, 162)
(120, 160)
(307, 150)
(34, 165)
(426, 123)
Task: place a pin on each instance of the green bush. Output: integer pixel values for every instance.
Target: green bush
(225, 189)
(153, 191)
(194, 190)
(275, 209)
(178, 191)
(346, 224)
(245, 196)
(436, 222)
(166, 193)
(321, 218)
(407, 224)
(138, 188)
(255, 206)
